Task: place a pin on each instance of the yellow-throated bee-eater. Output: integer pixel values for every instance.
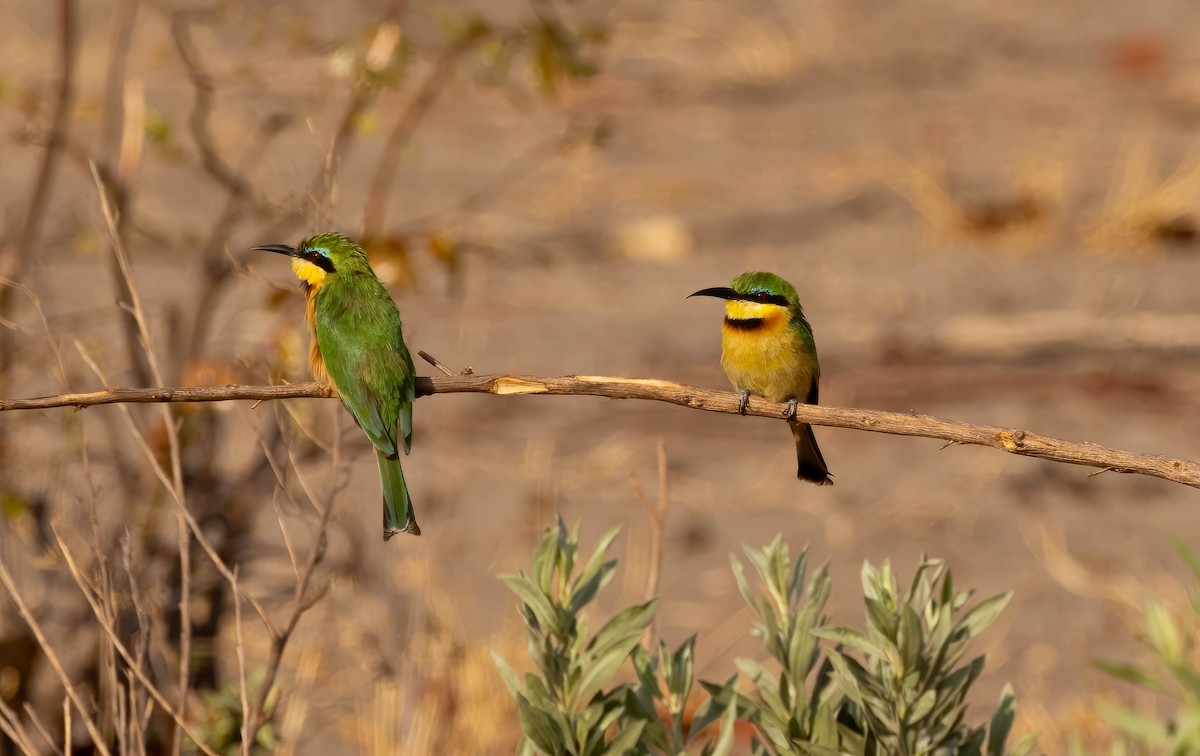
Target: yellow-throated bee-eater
(767, 349)
(357, 345)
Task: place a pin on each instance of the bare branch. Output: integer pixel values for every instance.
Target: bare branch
(210, 158)
(72, 692)
(15, 257)
(1013, 440)
(402, 130)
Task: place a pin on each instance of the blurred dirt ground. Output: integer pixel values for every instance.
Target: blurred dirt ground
(986, 208)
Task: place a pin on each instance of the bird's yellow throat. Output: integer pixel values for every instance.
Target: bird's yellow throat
(308, 273)
(768, 315)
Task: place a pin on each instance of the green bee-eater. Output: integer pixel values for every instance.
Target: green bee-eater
(767, 349)
(358, 347)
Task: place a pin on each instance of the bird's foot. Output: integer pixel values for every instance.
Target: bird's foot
(790, 413)
(743, 400)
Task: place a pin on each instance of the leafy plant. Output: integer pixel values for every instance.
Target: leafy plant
(790, 718)
(903, 693)
(908, 695)
(571, 706)
(1173, 643)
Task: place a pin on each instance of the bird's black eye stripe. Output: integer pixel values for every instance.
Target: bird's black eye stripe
(318, 259)
(764, 297)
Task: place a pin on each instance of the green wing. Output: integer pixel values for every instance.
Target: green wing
(359, 332)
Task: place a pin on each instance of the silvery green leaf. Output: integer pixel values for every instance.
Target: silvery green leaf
(540, 727)
(882, 619)
(848, 637)
(910, 640)
(724, 743)
(596, 573)
(1024, 745)
(626, 741)
(511, 681)
(533, 598)
(920, 708)
(545, 558)
(1002, 722)
(713, 709)
(984, 613)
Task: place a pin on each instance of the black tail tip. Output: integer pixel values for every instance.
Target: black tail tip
(817, 476)
(411, 527)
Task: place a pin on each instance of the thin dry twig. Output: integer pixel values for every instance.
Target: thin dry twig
(301, 601)
(11, 727)
(15, 257)
(197, 532)
(434, 361)
(52, 657)
(130, 661)
(240, 646)
(658, 516)
(403, 129)
(1013, 440)
(198, 126)
(172, 430)
(360, 99)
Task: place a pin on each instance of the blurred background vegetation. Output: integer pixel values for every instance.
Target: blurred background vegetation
(989, 211)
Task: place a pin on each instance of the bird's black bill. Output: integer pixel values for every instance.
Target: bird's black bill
(281, 249)
(311, 255)
(720, 292)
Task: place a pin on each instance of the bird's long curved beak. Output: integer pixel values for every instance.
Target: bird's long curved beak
(281, 249)
(720, 292)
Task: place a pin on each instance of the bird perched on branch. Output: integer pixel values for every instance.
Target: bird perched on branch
(358, 347)
(767, 349)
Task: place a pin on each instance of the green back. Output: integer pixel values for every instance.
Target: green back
(361, 340)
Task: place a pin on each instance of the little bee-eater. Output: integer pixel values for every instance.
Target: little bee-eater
(767, 349)
(357, 345)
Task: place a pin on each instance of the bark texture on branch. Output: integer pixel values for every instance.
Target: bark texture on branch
(1013, 440)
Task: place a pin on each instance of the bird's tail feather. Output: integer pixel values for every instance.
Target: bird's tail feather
(398, 514)
(811, 465)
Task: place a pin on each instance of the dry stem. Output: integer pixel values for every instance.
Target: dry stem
(1013, 440)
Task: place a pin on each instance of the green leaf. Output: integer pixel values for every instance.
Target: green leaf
(724, 744)
(1002, 722)
(596, 572)
(921, 708)
(714, 707)
(910, 640)
(984, 613)
(848, 637)
(1024, 745)
(545, 557)
(1130, 673)
(511, 681)
(681, 673)
(611, 647)
(539, 726)
(626, 741)
(631, 620)
(537, 602)
(881, 619)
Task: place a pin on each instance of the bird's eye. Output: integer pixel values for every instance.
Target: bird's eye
(761, 296)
